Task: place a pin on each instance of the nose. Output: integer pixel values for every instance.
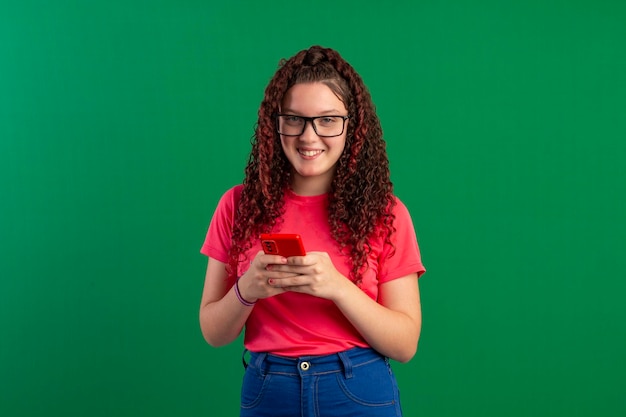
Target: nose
(309, 130)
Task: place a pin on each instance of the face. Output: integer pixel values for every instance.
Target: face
(312, 157)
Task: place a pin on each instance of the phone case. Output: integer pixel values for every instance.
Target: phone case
(284, 244)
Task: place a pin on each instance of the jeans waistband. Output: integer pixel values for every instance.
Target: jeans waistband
(314, 365)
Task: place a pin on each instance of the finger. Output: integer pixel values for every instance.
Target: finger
(279, 267)
(286, 274)
(300, 288)
(290, 281)
(264, 259)
(299, 260)
(277, 277)
(267, 260)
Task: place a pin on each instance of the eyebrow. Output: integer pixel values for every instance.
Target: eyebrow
(325, 112)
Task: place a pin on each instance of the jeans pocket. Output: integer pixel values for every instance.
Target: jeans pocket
(371, 386)
(253, 387)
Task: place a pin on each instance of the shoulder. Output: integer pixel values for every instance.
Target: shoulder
(228, 203)
(231, 197)
(234, 192)
(402, 222)
(400, 210)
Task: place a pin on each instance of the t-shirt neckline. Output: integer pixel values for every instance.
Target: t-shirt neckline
(305, 199)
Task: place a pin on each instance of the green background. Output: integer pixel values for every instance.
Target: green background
(123, 122)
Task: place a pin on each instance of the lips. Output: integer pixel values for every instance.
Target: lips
(309, 153)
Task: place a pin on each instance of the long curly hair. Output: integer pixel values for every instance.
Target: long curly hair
(360, 199)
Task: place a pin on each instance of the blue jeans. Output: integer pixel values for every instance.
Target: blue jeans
(357, 382)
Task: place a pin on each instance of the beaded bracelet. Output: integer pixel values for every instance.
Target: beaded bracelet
(241, 299)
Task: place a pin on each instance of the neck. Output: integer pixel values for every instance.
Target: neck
(310, 186)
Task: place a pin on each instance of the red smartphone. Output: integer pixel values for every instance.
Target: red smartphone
(284, 244)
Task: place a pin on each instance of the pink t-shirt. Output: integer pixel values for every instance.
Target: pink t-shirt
(293, 324)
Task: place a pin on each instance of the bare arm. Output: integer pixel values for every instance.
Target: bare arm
(222, 315)
(391, 327)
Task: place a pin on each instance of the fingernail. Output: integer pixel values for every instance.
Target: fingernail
(270, 281)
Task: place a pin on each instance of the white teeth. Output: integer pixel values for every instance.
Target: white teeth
(309, 153)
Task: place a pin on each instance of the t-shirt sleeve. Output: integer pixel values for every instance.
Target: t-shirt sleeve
(218, 238)
(403, 258)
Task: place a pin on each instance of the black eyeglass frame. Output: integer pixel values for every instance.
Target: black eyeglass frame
(312, 121)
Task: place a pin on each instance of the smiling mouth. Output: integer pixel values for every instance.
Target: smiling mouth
(309, 153)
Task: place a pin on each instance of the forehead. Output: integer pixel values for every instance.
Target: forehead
(312, 99)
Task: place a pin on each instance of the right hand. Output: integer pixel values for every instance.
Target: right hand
(254, 283)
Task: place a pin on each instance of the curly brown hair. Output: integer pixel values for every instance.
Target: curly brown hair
(360, 199)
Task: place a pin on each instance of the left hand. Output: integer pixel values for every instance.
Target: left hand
(317, 276)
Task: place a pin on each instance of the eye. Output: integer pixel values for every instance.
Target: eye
(292, 120)
(328, 120)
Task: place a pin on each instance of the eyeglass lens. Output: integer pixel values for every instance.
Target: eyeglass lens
(291, 125)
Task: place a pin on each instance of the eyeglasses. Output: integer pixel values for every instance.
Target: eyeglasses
(324, 126)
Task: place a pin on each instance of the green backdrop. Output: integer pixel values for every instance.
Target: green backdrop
(123, 122)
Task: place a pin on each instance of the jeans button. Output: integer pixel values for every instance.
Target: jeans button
(305, 366)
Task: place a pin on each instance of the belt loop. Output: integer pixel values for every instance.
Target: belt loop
(258, 363)
(347, 364)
